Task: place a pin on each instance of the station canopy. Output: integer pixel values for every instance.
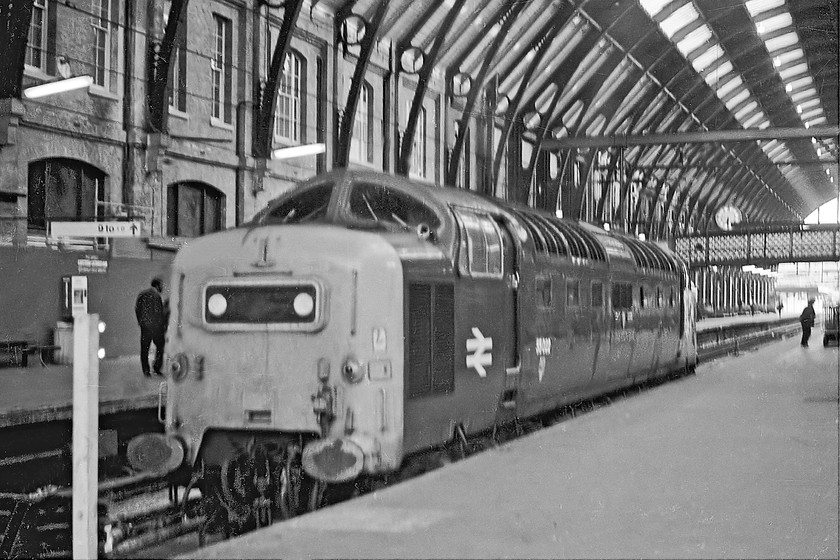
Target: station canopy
(744, 93)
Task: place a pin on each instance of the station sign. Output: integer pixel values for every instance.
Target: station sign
(95, 229)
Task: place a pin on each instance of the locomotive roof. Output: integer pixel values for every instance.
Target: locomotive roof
(550, 235)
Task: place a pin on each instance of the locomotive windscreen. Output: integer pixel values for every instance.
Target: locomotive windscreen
(260, 304)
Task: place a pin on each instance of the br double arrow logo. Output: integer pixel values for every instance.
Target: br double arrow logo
(481, 347)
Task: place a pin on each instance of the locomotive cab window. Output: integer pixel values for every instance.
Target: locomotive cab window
(306, 206)
(481, 244)
(393, 209)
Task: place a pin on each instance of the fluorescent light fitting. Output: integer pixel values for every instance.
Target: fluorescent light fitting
(58, 86)
(299, 151)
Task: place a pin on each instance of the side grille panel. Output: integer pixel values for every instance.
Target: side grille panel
(431, 313)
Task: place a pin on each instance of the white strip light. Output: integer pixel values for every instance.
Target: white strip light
(59, 86)
(299, 151)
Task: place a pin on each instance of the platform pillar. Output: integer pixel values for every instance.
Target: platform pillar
(85, 434)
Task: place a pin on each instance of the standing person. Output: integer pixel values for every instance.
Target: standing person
(807, 319)
(780, 307)
(151, 317)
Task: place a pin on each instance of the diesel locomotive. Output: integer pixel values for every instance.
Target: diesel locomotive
(363, 317)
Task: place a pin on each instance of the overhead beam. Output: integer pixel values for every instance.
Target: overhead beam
(727, 165)
(745, 135)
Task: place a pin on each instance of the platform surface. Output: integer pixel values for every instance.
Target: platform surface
(40, 394)
(739, 461)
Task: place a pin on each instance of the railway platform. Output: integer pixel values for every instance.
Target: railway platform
(39, 393)
(740, 460)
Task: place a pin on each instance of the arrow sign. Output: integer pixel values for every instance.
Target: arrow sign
(95, 229)
(478, 346)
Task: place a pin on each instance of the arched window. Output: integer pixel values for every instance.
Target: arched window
(361, 146)
(288, 117)
(64, 190)
(193, 209)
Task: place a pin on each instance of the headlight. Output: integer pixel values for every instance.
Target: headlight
(303, 304)
(352, 370)
(217, 304)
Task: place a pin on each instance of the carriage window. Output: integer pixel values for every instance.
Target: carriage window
(597, 294)
(671, 298)
(306, 206)
(641, 296)
(481, 246)
(658, 296)
(622, 296)
(543, 292)
(384, 205)
(572, 293)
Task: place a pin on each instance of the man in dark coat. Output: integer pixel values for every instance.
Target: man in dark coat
(151, 317)
(807, 319)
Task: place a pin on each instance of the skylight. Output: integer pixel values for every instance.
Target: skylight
(653, 7)
(756, 7)
(780, 42)
(679, 19)
(771, 24)
(695, 39)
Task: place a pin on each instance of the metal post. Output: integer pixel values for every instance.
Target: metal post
(85, 433)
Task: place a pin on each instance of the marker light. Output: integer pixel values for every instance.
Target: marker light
(101, 353)
(101, 326)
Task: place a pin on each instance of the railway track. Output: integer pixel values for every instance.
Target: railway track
(142, 511)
